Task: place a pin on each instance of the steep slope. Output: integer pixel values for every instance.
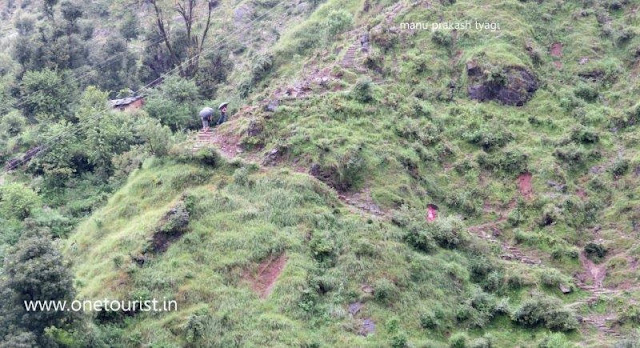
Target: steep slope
(524, 138)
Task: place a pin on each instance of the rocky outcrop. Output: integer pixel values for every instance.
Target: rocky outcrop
(510, 86)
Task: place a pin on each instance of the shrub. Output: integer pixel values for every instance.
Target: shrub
(482, 342)
(323, 247)
(585, 135)
(571, 154)
(488, 136)
(586, 92)
(448, 232)
(12, 124)
(18, 201)
(399, 340)
(207, 156)
(442, 38)
(384, 290)
(241, 176)
(429, 321)
(175, 103)
(458, 340)
(261, 66)
(47, 93)
(547, 312)
(620, 167)
(58, 224)
(337, 22)
(363, 90)
(595, 252)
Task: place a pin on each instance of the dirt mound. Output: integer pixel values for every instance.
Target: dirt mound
(511, 86)
(264, 277)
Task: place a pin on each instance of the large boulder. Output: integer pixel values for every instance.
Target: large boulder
(513, 85)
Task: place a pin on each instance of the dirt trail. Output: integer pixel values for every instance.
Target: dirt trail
(264, 279)
(229, 146)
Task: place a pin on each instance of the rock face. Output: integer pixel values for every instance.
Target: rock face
(514, 85)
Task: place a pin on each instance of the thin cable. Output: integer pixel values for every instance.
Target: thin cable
(41, 149)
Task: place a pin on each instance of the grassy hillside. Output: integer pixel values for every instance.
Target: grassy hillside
(240, 219)
(304, 221)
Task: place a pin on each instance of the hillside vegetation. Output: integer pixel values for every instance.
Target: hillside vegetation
(377, 185)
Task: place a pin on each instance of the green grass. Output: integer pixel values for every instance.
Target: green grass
(420, 140)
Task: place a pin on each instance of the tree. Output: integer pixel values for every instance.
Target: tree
(214, 71)
(175, 103)
(35, 271)
(47, 94)
(115, 65)
(130, 28)
(107, 134)
(193, 40)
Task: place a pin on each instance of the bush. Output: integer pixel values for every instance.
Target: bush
(175, 103)
(323, 247)
(620, 167)
(384, 290)
(207, 156)
(12, 124)
(442, 38)
(488, 136)
(59, 225)
(586, 92)
(18, 201)
(429, 321)
(595, 252)
(482, 342)
(448, 232)
(261, 66)
(337, 22)
(241, 176)
(47, 94)
(363, 90)
(547, 312)
(585, 135)
(459, 340)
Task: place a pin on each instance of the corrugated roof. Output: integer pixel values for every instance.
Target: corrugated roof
(125, 101)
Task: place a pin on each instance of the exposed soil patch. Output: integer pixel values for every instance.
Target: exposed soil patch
(556, 50)
(596, 273)
(557, 64)
(263, 279)
(524, 185)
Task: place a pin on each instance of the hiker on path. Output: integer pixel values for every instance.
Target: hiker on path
(223, 114)
(206, 114)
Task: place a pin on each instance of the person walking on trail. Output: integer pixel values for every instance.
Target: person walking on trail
(223, 114)
(206, 114)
